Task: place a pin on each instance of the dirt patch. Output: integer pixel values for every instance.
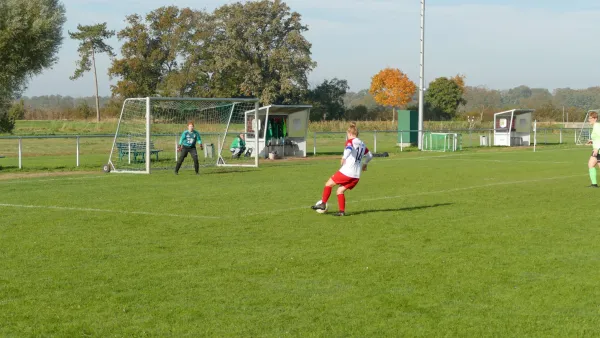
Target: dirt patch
(12, 176)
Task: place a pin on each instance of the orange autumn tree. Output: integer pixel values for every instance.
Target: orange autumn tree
(392, 88)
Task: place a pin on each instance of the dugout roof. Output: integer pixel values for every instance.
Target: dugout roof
(515, 111)
(283, 109)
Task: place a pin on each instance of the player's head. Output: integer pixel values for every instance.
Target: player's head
(190, 126)
(593, 115)
(242, 136)
(352, 130)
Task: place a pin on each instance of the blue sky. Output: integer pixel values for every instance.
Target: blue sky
(495, 43)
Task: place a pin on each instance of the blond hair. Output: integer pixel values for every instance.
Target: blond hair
(352, 130)
(594, 115)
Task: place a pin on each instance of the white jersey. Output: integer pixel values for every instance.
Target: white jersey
(356, 154)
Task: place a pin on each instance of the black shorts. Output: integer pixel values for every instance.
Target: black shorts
(597, 156)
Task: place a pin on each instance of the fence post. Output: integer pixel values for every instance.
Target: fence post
(177, 144)
(401, 142)
(315, 144)
(560, 138)
(375, 141)
(20, 153)
(77, 151)
(489, 138)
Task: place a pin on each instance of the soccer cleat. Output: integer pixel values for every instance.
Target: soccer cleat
(341, 213)
(176, 173)
(593, 186)
(319, 206)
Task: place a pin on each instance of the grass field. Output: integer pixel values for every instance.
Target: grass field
(478, 243)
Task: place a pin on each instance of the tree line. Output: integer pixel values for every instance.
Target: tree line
(250, 49)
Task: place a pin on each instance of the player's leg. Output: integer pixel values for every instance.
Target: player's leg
(592, 163)
(195, 158)
(183, 155)
(592, 169)
(341, 200)
(326, 194)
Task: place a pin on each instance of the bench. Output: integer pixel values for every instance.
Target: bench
(136, 149)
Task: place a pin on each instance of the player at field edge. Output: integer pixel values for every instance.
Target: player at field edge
(187, 144)
(595, 141)
(238, 146)
(354, 160)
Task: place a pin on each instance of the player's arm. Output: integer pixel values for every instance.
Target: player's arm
(367, 157)
(182, 138)
(347, 153)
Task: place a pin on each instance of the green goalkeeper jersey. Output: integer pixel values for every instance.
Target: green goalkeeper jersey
(596, 135)
(238, 143)
(189, 139)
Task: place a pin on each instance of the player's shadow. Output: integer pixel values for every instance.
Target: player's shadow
(418, 207)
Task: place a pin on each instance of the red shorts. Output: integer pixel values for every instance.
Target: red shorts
(345, 181)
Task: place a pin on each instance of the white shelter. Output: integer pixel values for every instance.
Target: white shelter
(513, 127)
(282, 130)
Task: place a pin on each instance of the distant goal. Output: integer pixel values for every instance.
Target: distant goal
(442, 141)
(149, 129)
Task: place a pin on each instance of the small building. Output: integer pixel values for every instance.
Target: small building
(282, 130)
(513, 127)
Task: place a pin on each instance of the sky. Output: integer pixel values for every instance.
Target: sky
(499, 44)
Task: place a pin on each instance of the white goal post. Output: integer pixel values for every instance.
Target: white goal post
(149, 130)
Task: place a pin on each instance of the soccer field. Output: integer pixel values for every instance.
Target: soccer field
(478, 243)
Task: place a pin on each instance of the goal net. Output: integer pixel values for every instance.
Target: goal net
(149, 130)
(442, 141)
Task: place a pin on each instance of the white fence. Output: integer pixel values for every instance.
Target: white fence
(92, 151)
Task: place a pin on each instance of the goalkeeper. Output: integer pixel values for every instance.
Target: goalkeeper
(595, 141)
(187, 144)
(238, 146)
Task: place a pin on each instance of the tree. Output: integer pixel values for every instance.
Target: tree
(357, 113)
(163, 54)
(17, 110)
(513, 97)
(362, 97)
(444, 96)
(328, 100)
(257, 49)
(91, 43)
(481, 100)
(30, 35)
(392, 88)
(459, 79)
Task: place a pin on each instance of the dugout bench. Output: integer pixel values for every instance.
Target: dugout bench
(136, 149)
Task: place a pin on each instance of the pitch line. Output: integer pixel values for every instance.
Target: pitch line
(422, 193)
(25, 180)
(145, 213)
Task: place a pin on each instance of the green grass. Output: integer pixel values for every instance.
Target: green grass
(481, 243)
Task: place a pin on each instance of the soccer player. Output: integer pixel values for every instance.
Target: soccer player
(238, 146)
(354, 160)
(595, 141)
(187, 144)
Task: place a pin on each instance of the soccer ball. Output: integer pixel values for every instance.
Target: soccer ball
(106, 168)
(320, 211)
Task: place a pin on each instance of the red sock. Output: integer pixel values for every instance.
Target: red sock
(326, 194)
(342, 202)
